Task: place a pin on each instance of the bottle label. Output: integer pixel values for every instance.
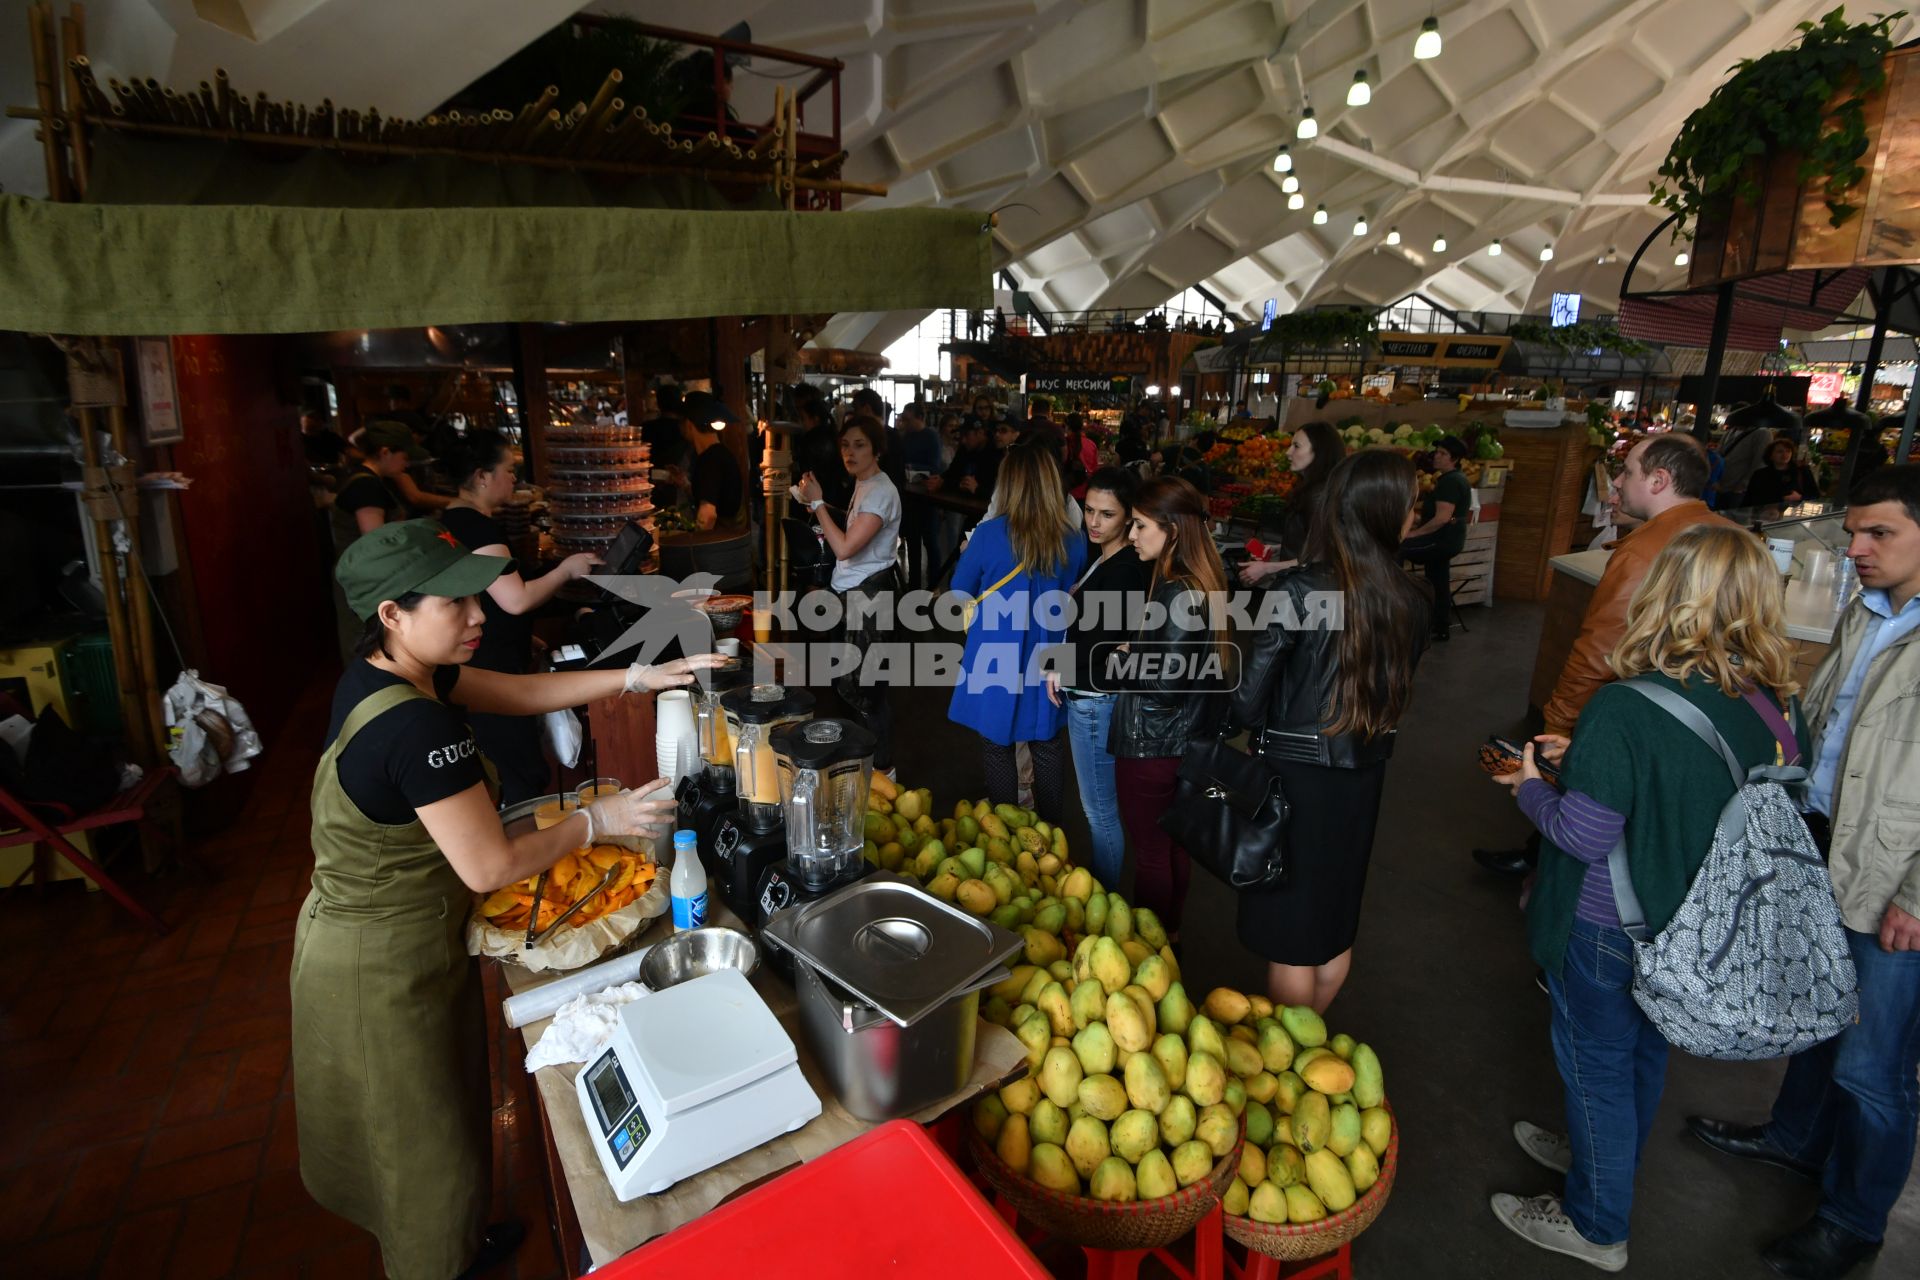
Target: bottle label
(690, 913)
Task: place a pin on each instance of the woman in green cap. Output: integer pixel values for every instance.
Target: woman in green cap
(389, 1038)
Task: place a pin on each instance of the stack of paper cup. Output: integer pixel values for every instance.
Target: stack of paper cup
(676, 744)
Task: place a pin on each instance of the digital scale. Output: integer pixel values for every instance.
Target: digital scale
(695, 1075)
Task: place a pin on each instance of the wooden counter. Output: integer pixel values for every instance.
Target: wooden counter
(1551, 470)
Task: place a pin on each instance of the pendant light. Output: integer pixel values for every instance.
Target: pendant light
(1309, 127)
(1359, 93)
(1289, 184)
(1427, 43)
(1493, 250)
(1283, 163)
(1360, 225)
(1680, 259)
(1296, 201)
(1439, 244)
(1546, 253)
(1393, 235)
(1320, 215)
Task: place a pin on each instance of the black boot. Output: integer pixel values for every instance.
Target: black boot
(1749, 1142)
(1821, 1250)
(1508, 862)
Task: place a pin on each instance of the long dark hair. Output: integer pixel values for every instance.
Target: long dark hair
(1328, 450)
(1356, 534)
(1190, 557)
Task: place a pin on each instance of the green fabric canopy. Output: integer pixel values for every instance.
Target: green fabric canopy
(165, 269)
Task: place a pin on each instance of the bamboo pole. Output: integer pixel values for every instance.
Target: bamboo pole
(47, 93)
(73, 46)
(140, 619)
(133, 707)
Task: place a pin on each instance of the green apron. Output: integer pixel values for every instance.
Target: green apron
(389, 1034)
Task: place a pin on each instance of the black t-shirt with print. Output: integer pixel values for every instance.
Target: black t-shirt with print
(412, 755)
(506, 639)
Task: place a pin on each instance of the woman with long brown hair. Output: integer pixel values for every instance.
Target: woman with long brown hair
(1706, 625)
(1314, 451)
(1323, 689)
(1013, 562)
(1177, 661)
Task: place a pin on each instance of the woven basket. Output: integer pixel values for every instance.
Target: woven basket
(1100, 1224)
(1291, 1243)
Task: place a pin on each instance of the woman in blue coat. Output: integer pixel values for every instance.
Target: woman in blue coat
(1020, 566)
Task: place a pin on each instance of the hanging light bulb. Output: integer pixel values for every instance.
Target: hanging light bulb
(1493, 250)
(1296, 201)
(1427, 43)
(1546, 253)
(1439, 244)
(1680, 258)
(1309, 127)
(1359, 93)
(1289, 184)
(1393, 235)
(1320, 215)
(1283, 163)
(1360, 225)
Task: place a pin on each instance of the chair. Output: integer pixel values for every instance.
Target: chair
(131, 805)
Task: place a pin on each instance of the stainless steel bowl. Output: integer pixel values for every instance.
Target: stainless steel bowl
(696, 953)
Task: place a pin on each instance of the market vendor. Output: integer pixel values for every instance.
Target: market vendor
(389, 1039)
(717, 485)
(366, 501)
(1442, 532)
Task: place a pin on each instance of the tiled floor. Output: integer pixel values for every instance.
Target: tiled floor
(149, 1106)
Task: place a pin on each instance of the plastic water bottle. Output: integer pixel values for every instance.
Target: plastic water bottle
(688, 884)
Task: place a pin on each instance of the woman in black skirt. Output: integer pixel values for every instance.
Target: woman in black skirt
(1322, 690)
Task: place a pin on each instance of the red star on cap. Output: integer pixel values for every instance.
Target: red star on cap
(446, 536)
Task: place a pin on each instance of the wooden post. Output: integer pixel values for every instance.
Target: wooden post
(133, 705)
(46, 82)
(139, 598)
(73, 40)
(530, 381)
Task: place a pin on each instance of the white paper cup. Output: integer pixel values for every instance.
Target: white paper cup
(728, 648)
(673, 714)
(1782, 549)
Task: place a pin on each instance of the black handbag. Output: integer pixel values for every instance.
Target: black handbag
(1230, 815)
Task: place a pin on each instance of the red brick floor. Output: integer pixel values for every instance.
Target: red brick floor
(149, 1105)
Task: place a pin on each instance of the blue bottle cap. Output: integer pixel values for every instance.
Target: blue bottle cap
(685, 840)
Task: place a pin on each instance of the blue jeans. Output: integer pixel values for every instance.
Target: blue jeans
(1087, 722)
(1852, 1103)
(1614, 1065)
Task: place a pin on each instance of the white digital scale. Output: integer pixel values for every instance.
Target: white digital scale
(695, 1075)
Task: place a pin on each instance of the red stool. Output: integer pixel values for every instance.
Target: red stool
(1337, 1265)
(1209, 1251)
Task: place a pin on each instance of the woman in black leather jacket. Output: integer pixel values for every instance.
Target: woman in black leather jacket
(1321, 692)
(1179, 661)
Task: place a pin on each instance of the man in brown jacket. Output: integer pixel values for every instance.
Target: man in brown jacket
(1660, 486)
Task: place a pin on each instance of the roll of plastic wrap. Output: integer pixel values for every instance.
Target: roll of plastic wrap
(542, 1002)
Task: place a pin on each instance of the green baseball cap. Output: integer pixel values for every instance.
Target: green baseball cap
(412, 555)
(385, 433)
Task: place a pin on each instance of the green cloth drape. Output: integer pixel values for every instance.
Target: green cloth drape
(164, 269)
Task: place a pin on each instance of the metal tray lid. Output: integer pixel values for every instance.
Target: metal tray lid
(893, 945)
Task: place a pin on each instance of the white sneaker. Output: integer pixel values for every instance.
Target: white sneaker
(1544, 1145)
(1539, 1221)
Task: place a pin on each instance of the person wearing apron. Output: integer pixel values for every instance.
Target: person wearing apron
(389, 1035)
(367, 500)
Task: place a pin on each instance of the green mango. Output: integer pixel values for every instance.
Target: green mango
(1303, 1206)
(1286, 1098)
(1113, 1181)
(1147, 1087)
(1050, 919)
(1096, 910)
(1276, 1048)
(1308, 1029)
(1153, 1178)
(1051, 1168)
(1170, 1051)
(1268, 1203)
(965, 830)
(975, 862)
(1175, 1011)
(1048, 1123)
(1094, 1044)
(997, 1011)
(1204, 1037)
(1343, 1132)
(1259, 1123)
(1178, 1121)
(1192, 1162)
(1087, 1145)
(1119, 918)
(1206, 1078)
(1149, 929)
(1312, 1122)
(1089, 1003)
(1369, 1086)
(1037, 979)
(1109, 965)
(1234, 1202)
(1342, 1045)
(988, 1115)
(1103, 1097)
(1363, 1168)
(1331, 1182)
(1376, 1129)
(1285, 1164)
(1134, 1134)
(1037, 1035)
(1154, 977)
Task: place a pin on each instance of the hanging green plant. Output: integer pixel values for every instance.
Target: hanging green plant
(1321, 329)
(1808, 99)
(1576, 339)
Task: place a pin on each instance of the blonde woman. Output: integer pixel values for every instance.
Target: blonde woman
(1012, 562)
(1706, 623)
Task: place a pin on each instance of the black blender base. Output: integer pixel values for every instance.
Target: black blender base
(780, 890)
(742, 857)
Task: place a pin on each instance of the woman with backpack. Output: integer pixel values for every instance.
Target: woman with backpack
(1707, 625)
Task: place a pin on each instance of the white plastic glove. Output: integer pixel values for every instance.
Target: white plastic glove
(642, 678)
(627, 814)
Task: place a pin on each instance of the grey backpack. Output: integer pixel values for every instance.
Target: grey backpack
(1755, 963)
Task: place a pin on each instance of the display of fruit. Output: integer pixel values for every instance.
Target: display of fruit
(569, 880)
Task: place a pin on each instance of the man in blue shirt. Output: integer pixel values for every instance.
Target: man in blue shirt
(1848, 1109)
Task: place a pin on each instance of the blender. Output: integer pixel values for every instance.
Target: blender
(751, 836)
(710, 790)
(825, 767)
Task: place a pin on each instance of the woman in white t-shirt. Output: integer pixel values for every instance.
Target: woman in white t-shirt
(864, 570)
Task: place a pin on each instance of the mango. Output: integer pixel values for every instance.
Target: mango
(1007, 917)
(1147, 1087)
(975, 861)
(1037, 979)
(1093, 1045)
(1025, 867)
(1103, 1097)
(1362, 1168)
(1153, 977)
(877, 828)
(1267, 1203)
(1042, 947)
(1113, 1181)
(1002, 884)
(1330, 1180)
(1234, 1202)
(1178, 1121)
(994, 825)
(980, 810)
(1291, 1088)
(1276, 1048)
(1285, 1164)
(1328, 1075)
(1262, 1007)
(1253, 1165)
(1173, 962)
(1061, 971)
(1243, 1033)
(1059, 844)
(1119, 918)
(976, 897)
(1134, 1134)
(966, 830)
(1054, 1004)
(1204, 1037)
(1144, 1003)
(1369, 1085)
(1243, 1059)
(1050, 919)
(1306, 1027)
(1218, 1127)
(1088, 1004)
(1192, 1162)
(1052, 1170)
(989, 1114)
(1170, 1051)
(1130, 1030)
(998, 850)
(1312, 1122)
(1021, 1012)
(1261, 1086)
(1108, 964)
(1343, 1133)
(1303, 1206)
(1147, 927)
(1342, 1046)
(1010, 815)
(1048, 1123)
(1235, 1094)
(1174, 1009)
(1259, 1122)
(1083, 958)
(1206, 1078)
(1376, 1129)
(926, 858)
(1076, 915)
(1226, 1006)
(1015, 1147)
(1049, 864)
(1060, 1076)
(1153, 1177)
(1135, 950)
(890, 857)
(1036, 1033)
(909, 805)
(1304, 1057)
(1096, 908)
(1087, 1145)
(944, 885)
(1020, 1097)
